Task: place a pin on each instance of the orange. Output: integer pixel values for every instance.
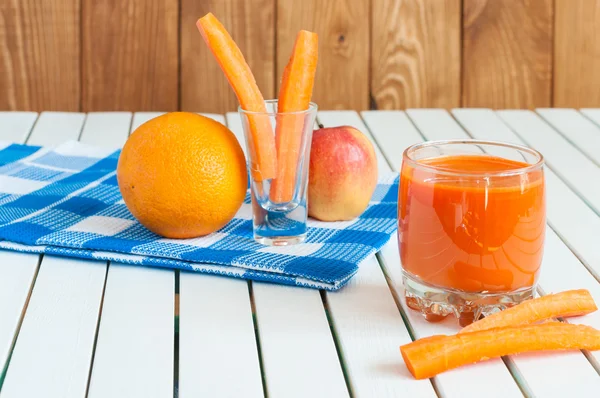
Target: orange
(182, 175)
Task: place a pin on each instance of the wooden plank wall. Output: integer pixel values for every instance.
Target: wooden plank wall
(143, 55)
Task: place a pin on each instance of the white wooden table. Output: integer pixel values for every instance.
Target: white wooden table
(74, 328)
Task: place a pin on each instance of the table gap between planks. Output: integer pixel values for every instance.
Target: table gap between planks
(75, 328)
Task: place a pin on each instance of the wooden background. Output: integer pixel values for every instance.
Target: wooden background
(138, 55)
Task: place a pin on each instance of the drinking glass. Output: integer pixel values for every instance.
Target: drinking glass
(471, 226)
(279, 201)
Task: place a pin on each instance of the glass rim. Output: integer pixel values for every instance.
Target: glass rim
(539, 163)
(312, 107)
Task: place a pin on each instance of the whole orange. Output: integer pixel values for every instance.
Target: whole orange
(182, 175)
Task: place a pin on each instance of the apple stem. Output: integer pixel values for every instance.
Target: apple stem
(320, 125)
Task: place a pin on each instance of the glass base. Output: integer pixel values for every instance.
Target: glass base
(280, 240)
(436, 303)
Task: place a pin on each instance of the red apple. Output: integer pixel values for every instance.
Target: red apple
(342, 175)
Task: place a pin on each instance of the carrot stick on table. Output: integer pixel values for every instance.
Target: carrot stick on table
(262, 145)
(432, 355)
(565, 304)
(294, 96)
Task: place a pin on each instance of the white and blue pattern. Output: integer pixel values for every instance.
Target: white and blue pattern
(65, 201)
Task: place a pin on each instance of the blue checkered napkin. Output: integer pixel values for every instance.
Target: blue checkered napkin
(65, 201)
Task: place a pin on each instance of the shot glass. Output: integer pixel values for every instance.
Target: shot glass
(471, 227)
(278, 147)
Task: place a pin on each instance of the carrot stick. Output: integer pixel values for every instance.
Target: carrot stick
(238, 73)
(430, 356)
(294, 96)
(565, 304)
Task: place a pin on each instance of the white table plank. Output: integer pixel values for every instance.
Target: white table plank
(53, 128)
(438, 124)
(564, 158)
(561, 270)
(298, 350)
(215, 116)
(135, 348)
(106, 129)
(140, 118)
(234, 122)
(297, 347)
(398, 132)
(218, 355)
(17, 270)
(134, 351)
(394, 132)
(54, 347)
(576, 128)
(370, 330)
(542, 375)
(579, 227)
(367, 322)
(15, 126)
(592, 113)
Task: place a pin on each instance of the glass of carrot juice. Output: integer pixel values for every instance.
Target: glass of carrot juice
(471, 226)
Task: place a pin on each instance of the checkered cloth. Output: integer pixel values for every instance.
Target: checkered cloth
(66, 201)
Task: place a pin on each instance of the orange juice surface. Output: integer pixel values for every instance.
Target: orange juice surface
(471, 232)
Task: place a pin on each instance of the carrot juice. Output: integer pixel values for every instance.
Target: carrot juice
(471, 222)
